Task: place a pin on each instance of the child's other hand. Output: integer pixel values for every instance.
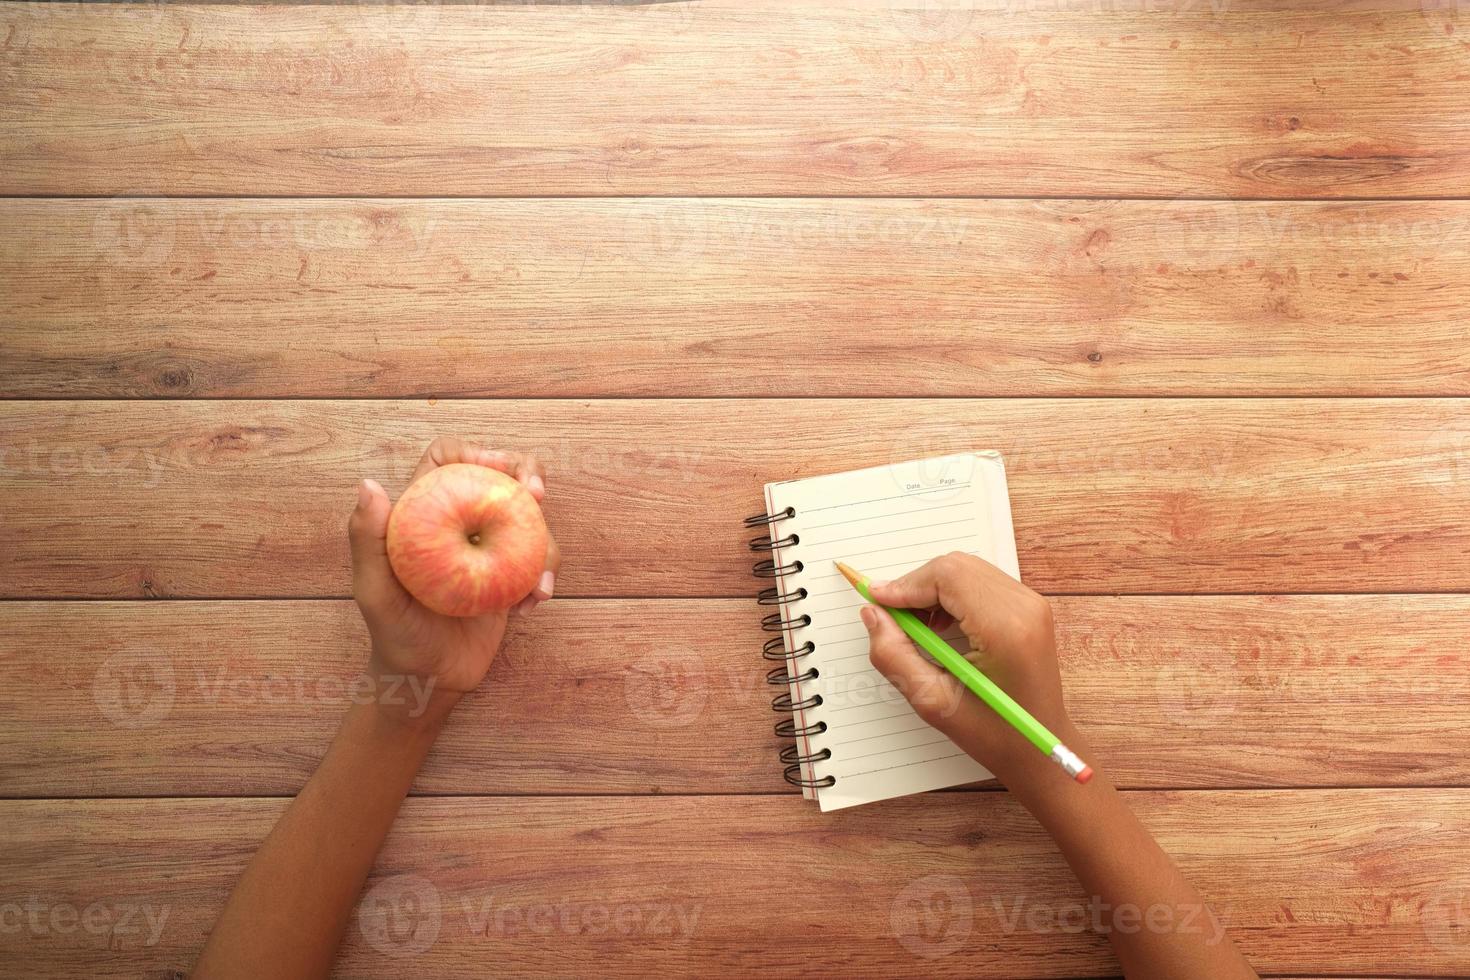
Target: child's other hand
(1010, 628)
(410, 641)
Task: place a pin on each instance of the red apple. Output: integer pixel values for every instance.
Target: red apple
(467, 539)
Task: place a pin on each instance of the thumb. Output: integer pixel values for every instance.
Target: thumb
(373, 582)
(934, 694)
(918, 589)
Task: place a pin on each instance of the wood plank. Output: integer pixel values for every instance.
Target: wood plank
(732, 97)
(229, 499)
(1339, 882)
(888, 297)
(220, 698)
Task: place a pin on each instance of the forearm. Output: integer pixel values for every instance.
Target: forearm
(1158, 923)
(289, 911)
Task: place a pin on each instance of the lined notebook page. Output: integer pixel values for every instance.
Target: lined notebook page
(883, 522)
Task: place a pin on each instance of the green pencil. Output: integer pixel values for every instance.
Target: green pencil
(1003, 704)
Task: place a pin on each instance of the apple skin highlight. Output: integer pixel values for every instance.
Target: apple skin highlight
(466, 540)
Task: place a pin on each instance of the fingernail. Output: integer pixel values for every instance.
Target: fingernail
(870, 617)
(537, 485)
(546, 585)
(364, 494)
(374, 486)
(880, 584)
(527, 606)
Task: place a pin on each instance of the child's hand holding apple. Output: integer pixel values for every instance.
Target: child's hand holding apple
(437, 575)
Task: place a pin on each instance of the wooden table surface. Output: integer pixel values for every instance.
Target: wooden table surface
(1199, 270)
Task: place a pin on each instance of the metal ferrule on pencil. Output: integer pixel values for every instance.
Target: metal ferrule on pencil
(1068, 760)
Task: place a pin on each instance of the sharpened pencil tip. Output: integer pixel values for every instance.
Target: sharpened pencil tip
(852, 575)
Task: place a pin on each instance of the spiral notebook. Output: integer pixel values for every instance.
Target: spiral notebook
(854, 738)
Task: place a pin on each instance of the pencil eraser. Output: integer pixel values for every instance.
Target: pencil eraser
(1085, 774)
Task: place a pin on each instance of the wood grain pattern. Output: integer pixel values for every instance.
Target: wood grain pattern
(735, 98)
(744, 298)
(1300, 755)
(216, 698)
(226, 499)
(1341, 882)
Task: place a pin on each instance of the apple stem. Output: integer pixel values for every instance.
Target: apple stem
(475, 538)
